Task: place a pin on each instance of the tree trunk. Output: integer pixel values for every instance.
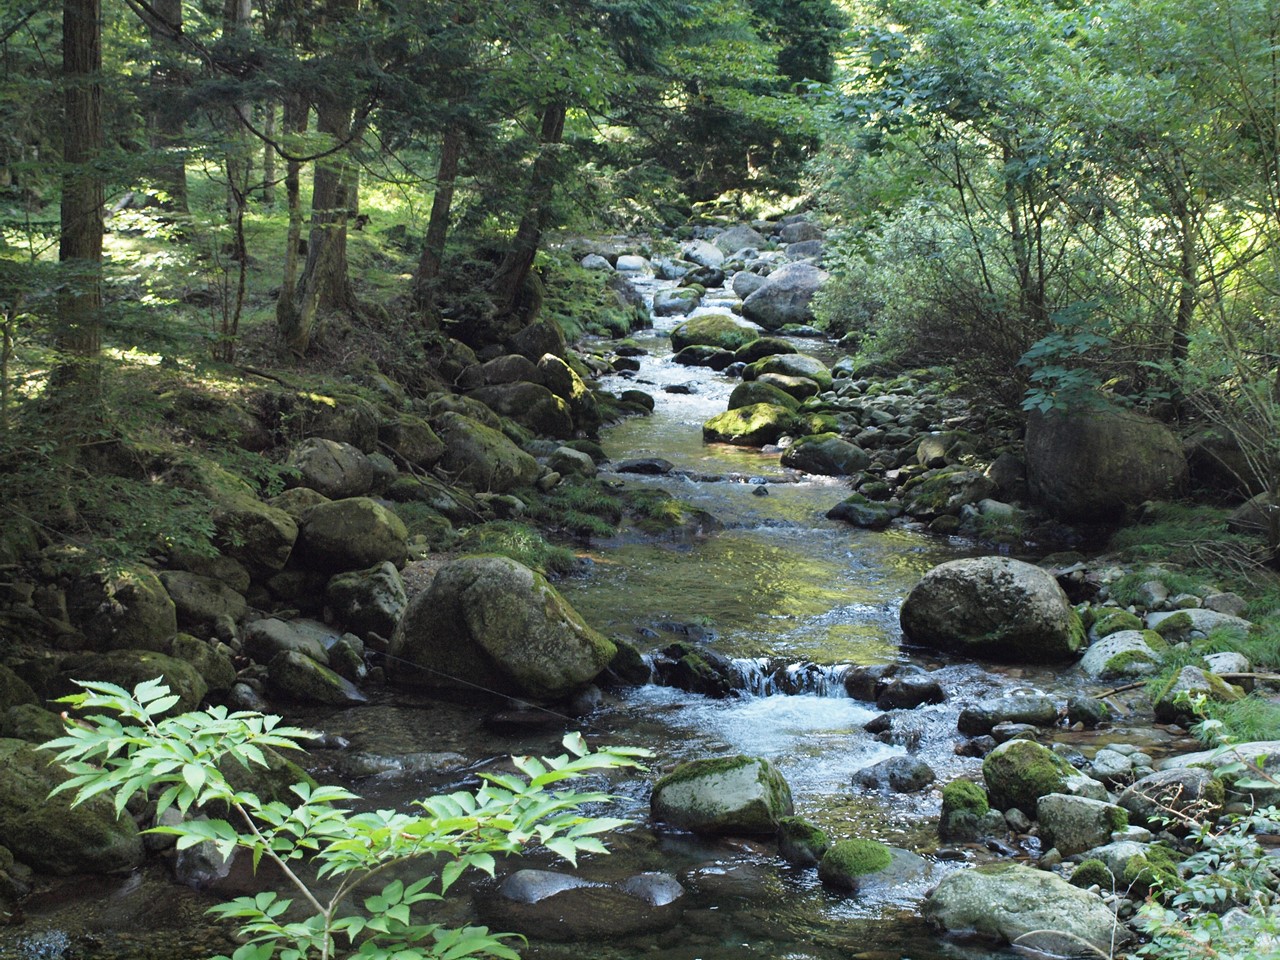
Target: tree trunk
(166, 122)
(325, 284)
(294, 122)
(438, 227)
(269, 154)
(79, 332)
(508, 282)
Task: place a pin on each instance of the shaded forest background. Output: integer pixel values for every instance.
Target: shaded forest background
(1070, 203)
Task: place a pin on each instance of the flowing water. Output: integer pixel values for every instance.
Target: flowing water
(794, 599)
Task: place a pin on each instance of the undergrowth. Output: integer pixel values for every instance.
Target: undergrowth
(520, 542)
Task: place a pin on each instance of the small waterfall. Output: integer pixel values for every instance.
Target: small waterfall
(768, 677)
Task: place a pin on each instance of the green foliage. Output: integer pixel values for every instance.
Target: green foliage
(583, 508)
(1124, 589)
(1230, 871)
(133, 748)
(1091, 872)
(520, 542)
(966, 796)
(1059, 378)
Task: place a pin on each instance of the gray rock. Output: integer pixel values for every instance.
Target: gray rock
(368, 601)
(494, 622)
(351, 535)
(745, 283)
(906, 693)
(593, 261)
(723, 795)
(799, 231)
(826, 454)
(786, 296)
(199, 601)
(264, 639)
(1232, 604)
(49, 834)
(1111, 767)
(1171, 702)
(333, 469)
(982, 717)
(571, 463)
(122, 608)
(296, 676)
(556, 906)
(1124, 654)
(896, 774)
(702, 253)
(676, 302)
(1203, 622)
(736, 238)
(1075, 824)
(1157, 797)
(993, 606)
(482, 458)
(1012, 903)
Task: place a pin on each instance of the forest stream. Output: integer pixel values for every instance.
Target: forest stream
(793, 598)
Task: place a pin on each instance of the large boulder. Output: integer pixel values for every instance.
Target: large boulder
(351, 534)
(412, 440)
(50, 835)
(1007, 902)
(1019, 772)
(481, 457)
(494, 622)
(722, 330)
(531, 405)
(259, 536)
(295, 676)
(826, 454)
(1191, 790)
(993, 607)
(757, 391)
(128, 668)
(723, 795)
(791, 365)
(126, 607)
(739, 237)
(1094, 463)
(676, 302)
(200, 601)
(562, 380)
(1076, 824)
(1124, 654)
(702, 253)
(756, 425)
(331, 468)
(367, 601)
(785, 296)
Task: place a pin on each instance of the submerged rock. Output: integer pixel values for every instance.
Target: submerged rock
(550, 905)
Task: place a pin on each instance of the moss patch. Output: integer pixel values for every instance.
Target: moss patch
(1114, 621)
(1022, 772)
(964, 796)
(520, 542)
(847, 860)
(1156, 869)
(1092, 872)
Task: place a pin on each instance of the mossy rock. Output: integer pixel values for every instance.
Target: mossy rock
(351, 534)
(791, 365)
(800, 842)
(757, 425)
(1093, 872)
(1018, 773)
(723, 795)
(128, 668)
(964, 796)
(1155, 869)
(126, 608)
(1113, 621)
(846, 861)
(213, 664)
(761, 348)
(14, 690)
(754, 391)
(1172, 707)
(48, 833)
(861, 512)
(721, 330)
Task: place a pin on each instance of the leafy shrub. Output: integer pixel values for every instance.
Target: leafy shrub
(520, 542)
(130, 747)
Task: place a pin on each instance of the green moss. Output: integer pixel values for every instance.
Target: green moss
(1091, 872)
(1119, 819)
(799, 841)
(709, 767)
(1114, 621)
(1022, 772)
(1155, 641)
(964, 796)
(1122, 663)
(1155, 869)
(1175, 627)
(752, 426)
(520, 542)
(846, 860)
(422, 520)
(1125, 589)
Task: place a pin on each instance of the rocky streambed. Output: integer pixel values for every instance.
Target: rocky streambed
(785, 709)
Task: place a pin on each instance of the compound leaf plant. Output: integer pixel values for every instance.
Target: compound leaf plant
(328, 854)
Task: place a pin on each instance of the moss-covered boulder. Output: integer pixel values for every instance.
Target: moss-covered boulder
(50, 835)
(757, 425)
(351, 534)
(1171, 700)
(800, 842)
(531, 405)
(723, 795)
(256, 534)
(125, 607)
(565, 382)
(722, 330)
(700, 355)
(1093, 463)
(494, 622)
(847, 862)
(295, 676)
(755, 391)
(412, 440)
(791, 365)
(946, 492)
(331, 468)
(1010, 902)
(1019, 772)
(14, 690)
(481, 457)
(798, 388)
(1124, 654)
(343, 417)
(966, 813)
(367, 601)
(128, 668)
(1107, 622)
(199, 601)
(761, 348)
(993, 607)
(826, 454)
(1076, 824)
(211, 660)
(861, 512)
